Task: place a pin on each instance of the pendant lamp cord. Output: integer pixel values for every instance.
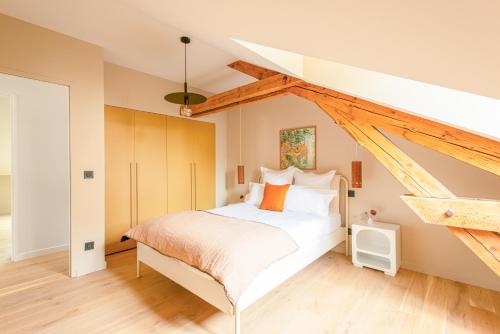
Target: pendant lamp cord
(240, 135)
(185, 62)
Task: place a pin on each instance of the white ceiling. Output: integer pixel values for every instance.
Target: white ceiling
(444, 42)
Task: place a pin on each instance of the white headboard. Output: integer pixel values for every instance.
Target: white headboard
(340, 203)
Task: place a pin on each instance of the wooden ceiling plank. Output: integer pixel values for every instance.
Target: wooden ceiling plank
(464, 212)
(247, 93)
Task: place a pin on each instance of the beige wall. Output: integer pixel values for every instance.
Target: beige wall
(124, 87)
(41, 54)
(425, 248)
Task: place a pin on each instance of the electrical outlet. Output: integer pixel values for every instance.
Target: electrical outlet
(351, 193)
(88, 174)
(89, 245)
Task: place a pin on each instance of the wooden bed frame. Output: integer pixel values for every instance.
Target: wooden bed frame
(204, 286)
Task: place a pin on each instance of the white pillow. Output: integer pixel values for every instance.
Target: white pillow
(277, 177)
(323, 181)
(309, 200)
(255, 193)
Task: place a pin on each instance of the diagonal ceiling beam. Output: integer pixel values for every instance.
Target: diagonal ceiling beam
(270, 86)
(417, 180)
(252, 70)
(361, 118)
(474, 149)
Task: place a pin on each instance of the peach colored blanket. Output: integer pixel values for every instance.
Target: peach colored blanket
(232, 251)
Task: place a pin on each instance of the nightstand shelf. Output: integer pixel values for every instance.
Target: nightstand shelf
(376, 246)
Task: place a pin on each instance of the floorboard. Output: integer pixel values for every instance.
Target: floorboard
(329, 296)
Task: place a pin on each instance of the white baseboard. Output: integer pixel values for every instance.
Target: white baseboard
(38, 252)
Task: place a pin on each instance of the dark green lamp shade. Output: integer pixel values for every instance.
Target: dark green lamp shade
(178, 98)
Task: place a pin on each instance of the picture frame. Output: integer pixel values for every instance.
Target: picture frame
(298, 147)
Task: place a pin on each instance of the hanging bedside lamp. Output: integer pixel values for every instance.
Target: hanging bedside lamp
(241, 168)
(357, 171)
(185, 99)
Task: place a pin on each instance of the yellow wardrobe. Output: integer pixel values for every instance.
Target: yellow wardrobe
(155, 164)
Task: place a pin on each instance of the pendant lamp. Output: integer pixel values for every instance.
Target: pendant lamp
(357, 172)
(357, 176)
(185, 99)
(241, 168)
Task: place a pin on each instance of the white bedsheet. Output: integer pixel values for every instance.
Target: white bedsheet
(302, 227)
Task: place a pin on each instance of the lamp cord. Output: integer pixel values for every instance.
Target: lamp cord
(185, 62)
(240, 135)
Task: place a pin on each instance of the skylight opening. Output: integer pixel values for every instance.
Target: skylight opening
(471, 112)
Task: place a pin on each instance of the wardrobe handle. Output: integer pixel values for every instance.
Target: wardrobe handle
(136, 194)
(194, 172)
(191, 183)
(130, 192)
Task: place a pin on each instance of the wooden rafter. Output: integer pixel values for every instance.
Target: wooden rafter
(252, 70)
(362, 120)
(474, 149)
(457, 212)
(262, 89)
(483, 243)
(416, 179)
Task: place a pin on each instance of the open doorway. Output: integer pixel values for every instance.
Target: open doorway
(34, 169)
(5, 180)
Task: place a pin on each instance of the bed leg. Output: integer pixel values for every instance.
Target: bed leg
(138, 268)
(236, 322)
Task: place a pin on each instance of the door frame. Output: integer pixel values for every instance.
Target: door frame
(13, 111)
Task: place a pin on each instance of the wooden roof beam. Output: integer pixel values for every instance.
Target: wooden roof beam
(417, 180)
(262, 89)
(252, 70)
(458, 212)
(476, 150)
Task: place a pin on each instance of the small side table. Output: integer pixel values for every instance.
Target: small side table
(377, 246)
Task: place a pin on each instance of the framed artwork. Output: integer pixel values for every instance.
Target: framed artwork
(298, 147)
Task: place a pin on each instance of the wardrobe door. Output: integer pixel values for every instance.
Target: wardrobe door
(119, 158)
(150, 166)
(179, 164)
(203, 146)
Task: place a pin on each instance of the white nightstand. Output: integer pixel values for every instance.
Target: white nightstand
(376, 246)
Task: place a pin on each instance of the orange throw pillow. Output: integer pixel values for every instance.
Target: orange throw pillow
(274, 197)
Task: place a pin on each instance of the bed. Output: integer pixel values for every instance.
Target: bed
(314, 236)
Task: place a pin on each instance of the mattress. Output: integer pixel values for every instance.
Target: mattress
(302, 227)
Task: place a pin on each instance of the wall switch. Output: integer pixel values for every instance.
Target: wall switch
(88, 174)
(89, 245)
(351, 193)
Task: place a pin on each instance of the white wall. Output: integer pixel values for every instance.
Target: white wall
(426, 248)
(40, 165)
(4, 135)
(4, 155)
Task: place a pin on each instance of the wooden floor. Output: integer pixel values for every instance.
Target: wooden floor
(5, 238)
(329, 296)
